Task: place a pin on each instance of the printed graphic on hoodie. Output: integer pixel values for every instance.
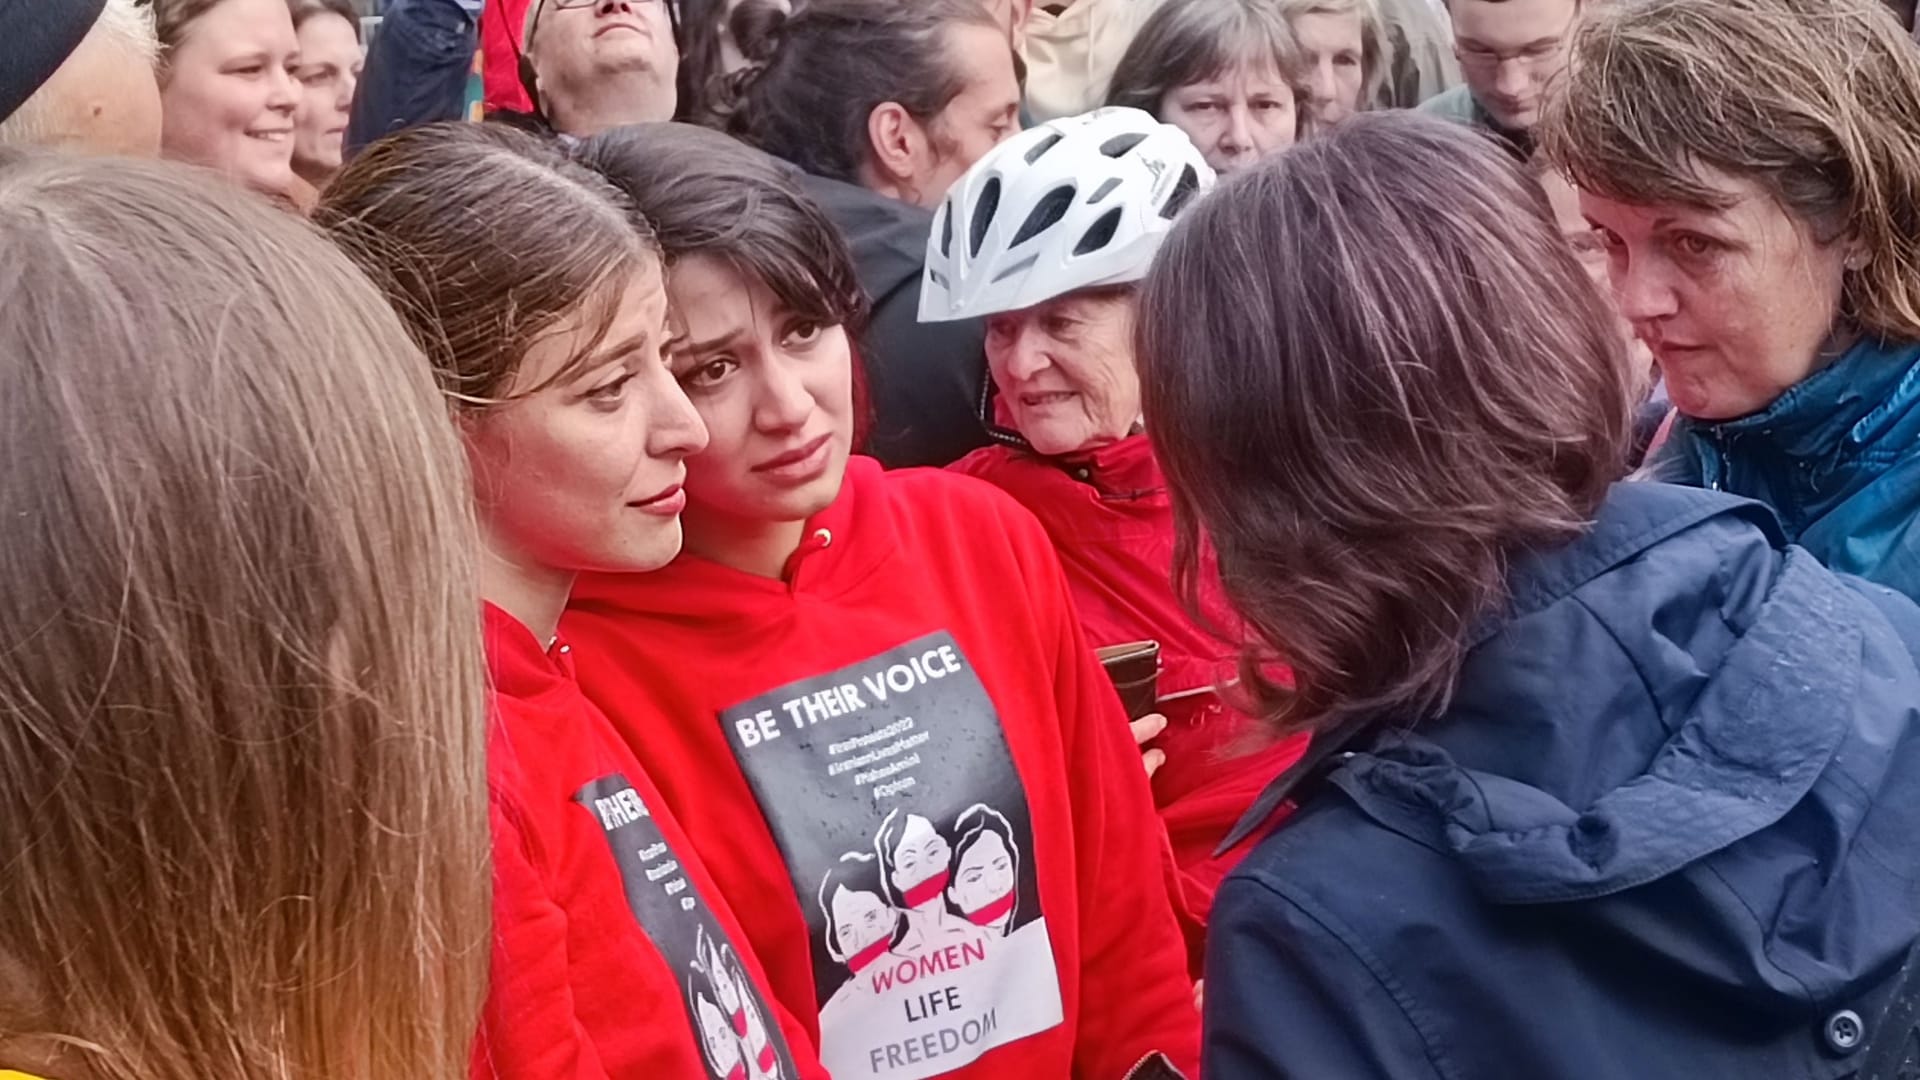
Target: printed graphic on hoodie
(890, 791)
(731, 1021)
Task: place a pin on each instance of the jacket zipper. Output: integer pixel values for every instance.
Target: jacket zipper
(1143, 1062)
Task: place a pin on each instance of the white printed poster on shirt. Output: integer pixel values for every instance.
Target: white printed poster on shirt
(890, 790)
(736, 1031)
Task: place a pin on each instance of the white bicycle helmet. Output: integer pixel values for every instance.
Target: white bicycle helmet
(1072, 204)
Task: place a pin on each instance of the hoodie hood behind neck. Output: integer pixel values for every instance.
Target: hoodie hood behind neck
(1756, 830)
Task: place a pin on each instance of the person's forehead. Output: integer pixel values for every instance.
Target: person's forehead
(1511, 22)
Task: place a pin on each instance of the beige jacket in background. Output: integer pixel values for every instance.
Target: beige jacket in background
(1071, 55)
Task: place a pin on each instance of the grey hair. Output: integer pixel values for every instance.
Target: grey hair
(40, 119)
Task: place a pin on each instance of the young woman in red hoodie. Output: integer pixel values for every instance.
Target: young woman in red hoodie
(543, 311)
(865, 674)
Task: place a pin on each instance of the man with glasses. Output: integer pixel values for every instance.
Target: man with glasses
(1510, 51)
(591, 65)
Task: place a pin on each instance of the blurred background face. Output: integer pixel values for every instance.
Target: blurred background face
(984, 113)
(586, 473)
(229, 95)
(1737, 305)
(1337, 55)
(329, 70)
(775, 389)
(1510, 51)
(1065, 371)
(575, 45)
(1236, 117)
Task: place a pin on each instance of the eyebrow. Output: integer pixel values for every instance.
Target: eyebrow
(710, 344)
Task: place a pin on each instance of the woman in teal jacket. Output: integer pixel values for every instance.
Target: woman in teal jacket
(1761, 209)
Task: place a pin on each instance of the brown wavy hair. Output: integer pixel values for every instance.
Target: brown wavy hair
(242, 810)
(1188, 42)
(1816, 101)
(486, 239)
(1374, 372)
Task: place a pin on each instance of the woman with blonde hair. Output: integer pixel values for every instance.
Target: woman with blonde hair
(1347, 55)
(1609, 780)
(243, 818)
(1760, 205)
(228, 91)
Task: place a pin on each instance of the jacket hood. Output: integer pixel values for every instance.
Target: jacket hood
(1695, 735)
(888, 237)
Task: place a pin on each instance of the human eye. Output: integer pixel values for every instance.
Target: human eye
(611, 391)
(1695, 246)
(1347, 59)
(707, 373)
(803, 333)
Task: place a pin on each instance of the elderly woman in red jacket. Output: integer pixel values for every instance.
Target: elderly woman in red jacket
(1046, 237)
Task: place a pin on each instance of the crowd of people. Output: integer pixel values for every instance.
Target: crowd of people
(1116, 539)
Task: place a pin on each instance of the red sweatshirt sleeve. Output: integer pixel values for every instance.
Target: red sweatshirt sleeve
(1137, 997)
(529, 1027)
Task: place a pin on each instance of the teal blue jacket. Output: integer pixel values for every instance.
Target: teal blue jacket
(1837, 457)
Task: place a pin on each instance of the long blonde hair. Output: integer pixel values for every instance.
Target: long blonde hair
(242, 783)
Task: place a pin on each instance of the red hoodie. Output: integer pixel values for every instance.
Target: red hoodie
(914, 783)
(1111, 519)
(612, 956)
(501, 23)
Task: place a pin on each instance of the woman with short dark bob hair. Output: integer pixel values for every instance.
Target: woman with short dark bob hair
(1577, 741)
(1761, 207)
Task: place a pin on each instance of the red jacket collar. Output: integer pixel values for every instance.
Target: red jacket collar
(519, 667)
(1125, 469)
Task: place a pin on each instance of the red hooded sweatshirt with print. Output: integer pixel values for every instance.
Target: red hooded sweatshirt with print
(1111, 520)
(914, 784)
(613, 955)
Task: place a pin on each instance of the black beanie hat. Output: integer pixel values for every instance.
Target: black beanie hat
(36, 37)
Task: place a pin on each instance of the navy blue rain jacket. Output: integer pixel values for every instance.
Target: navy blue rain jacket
(1668, 829)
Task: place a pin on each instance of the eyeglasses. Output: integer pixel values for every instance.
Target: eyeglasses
(673, 13)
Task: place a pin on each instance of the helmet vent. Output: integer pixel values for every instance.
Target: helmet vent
(1182, 194)
(946, 231)
(1104, 190)
(1100, 234)
(1020, 267)
(983, 212)
(1046, 213)
(1120, 144)
(1040, 148)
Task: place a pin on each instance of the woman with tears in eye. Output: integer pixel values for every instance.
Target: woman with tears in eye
(577, 435)
(805, 561)
(1760, 206)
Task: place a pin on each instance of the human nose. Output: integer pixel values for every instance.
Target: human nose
(1016, 357)
(674, 427)
(784, 402)
(1324, 84)
(347, 85)
(283, 92)
(1238, 136)
(1642, 290)
(1512, 76)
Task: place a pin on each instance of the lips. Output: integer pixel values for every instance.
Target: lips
(611, 27)
(797, 456)
(1046, 398)
(666, 503)
(271, 135)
